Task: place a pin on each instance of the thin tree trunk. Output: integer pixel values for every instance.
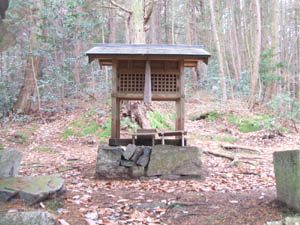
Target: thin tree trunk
(255, 74)
(235, 44)
(219, 52)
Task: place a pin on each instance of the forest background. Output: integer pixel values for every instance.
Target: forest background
(255, 49)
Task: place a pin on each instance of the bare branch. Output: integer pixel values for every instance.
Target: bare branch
(146, 20)
(120, 7)
(109, 7)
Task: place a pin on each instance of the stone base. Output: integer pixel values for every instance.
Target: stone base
(160, 160)
(174, 160)
(287, 174)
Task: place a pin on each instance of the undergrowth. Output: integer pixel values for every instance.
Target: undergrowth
(158, 120)
(22, 136)
(246, 124)
(208, 116)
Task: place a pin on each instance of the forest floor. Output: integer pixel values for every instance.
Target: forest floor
(241, 191)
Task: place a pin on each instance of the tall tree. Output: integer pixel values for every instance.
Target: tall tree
(25, 103)
(218, 46)
(255, 74)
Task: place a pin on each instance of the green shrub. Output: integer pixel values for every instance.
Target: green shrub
(158, 120)
(246, 124)
(44, 149)
(1, 146)
(226, 138)
(82, 126)
(106, 129)
(126, 122)
(208, 116)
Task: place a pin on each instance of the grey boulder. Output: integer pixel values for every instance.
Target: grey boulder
(31, 189)
(28, 218)
(9, 163)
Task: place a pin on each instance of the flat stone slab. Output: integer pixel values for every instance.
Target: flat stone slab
(145, 157)
(28, 218)
(287, 174)
(31, 189)
(175, 160)
(108, 163)
(9, 163)
(129, 152)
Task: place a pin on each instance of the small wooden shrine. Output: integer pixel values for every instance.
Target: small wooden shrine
(147, 72)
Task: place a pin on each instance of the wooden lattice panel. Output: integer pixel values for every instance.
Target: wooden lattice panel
(135, 82)
(131, 82)
(164, 83)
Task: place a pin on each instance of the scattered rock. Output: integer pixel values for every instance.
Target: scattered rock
(138, 152)
(31, 189)
(292, 221)
(175, 160)
(286, 221)
(108, 163)
(129, 152)
(150, 205)
(109, 155)
(275, 223)
(9, 163)
(144, 159)
(92, 216)
(28, 218)
(127, 163)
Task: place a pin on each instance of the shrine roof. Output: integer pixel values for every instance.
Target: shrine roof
(180, 51)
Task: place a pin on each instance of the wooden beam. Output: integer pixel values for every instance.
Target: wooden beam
(115, 104)
(161, 96)
(179, 124)
(147, 88)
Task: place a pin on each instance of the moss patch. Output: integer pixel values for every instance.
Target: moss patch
(82, 126)
(45, 149)
(55, 204)
(22, 136)
(226, 138)
(106, 129)
(208, 116)
(158, 120)
(246, 124)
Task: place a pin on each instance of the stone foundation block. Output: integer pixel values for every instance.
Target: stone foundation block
(287, 174)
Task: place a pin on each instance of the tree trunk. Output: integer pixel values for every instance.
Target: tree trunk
(255, 74)
(275, 41)
(218, 46)
(235, 43)
(24, 103)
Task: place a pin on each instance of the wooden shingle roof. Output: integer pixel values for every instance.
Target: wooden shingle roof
(148, 50)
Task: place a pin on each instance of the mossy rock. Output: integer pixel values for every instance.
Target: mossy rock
(31, 189)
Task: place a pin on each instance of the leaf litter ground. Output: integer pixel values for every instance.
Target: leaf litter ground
(239, 192)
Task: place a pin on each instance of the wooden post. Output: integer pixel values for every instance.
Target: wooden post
(180, 102)
(115, 103)
(147, 89)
